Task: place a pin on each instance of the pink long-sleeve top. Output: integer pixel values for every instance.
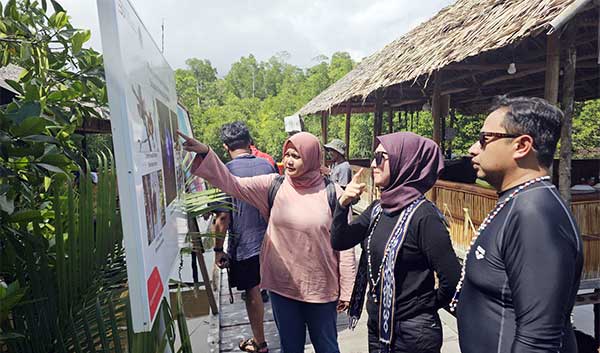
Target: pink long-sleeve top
(296, 259)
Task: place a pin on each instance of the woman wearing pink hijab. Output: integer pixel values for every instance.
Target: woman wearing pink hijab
(405, 241)
(306, 278)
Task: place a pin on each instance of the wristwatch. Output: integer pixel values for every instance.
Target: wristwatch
(218, 249)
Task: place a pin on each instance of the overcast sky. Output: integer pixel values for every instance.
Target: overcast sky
(225, 30)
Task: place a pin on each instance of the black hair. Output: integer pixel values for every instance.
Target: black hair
(534, 117)
(235, 135)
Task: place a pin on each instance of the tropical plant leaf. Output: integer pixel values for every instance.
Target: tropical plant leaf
(28, 109)
(78, 39)
(51, 168)
(32, 125)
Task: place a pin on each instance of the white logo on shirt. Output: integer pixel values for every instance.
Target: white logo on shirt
(479, 253)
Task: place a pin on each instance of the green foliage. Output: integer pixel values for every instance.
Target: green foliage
(63, 276)
(586, 129)
(259, 93)
(204, 202)
(263, 93)
(60, 86)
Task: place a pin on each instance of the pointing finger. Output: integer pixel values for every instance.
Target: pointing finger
(356, 177)
(187, 138)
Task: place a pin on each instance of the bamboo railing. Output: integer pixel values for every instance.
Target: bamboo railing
(466, 205)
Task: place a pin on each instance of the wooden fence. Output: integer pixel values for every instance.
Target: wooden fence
(466, 205)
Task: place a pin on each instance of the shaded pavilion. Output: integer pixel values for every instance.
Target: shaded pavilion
(458, 61)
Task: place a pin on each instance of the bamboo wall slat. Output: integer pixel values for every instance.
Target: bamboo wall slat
(461, 205)
(465, 206)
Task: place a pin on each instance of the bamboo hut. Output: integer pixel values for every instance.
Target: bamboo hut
(462, 58)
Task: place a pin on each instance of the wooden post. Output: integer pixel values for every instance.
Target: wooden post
(212, 302)
(390, 121)
(552, 71)
(378, 116)
(597, 318)
(324, 127)
(400, 121)
(416, 124)
(347, 135)
(444, 111)
(568, 98)
(436, 107)
(552, 68)
(452, 120)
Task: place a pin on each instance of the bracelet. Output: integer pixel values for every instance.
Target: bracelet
(218, 249)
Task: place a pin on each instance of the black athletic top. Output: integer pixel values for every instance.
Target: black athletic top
(427, 248)
(522, 277)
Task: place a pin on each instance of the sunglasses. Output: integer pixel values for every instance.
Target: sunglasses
(483, 141)
(380, 157)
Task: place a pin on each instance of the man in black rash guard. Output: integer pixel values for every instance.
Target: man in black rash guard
(522, 273)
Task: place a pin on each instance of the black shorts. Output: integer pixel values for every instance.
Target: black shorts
(245, 274)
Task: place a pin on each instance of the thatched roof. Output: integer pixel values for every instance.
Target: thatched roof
(460, 31)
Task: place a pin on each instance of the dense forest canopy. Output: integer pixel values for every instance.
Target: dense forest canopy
(262, 93)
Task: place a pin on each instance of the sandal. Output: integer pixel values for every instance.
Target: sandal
(251, 346)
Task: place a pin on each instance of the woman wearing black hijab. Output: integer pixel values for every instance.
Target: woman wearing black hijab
(405, 241)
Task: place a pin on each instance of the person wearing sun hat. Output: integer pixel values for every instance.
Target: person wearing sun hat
(340, 170)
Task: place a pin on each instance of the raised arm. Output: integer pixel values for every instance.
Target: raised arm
(345, 234)
(207, 165)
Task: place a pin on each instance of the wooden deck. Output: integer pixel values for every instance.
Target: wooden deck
(231, 326)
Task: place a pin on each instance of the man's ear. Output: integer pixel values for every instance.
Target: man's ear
(523, 146)
(225, 147)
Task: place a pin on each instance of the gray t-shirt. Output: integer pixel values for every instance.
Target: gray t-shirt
(341, 173)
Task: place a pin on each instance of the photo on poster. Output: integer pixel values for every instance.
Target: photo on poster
(154, 204)
(178, 154)
(146, 142)
(168, 150)
(192, 183)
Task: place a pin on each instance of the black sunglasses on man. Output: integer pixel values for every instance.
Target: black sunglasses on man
(483, 135)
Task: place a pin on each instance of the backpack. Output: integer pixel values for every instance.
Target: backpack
(329, 187)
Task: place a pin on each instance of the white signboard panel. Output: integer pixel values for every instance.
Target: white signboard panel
(143, 109)
(293, 123)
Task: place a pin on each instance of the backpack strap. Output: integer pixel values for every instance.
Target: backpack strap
(331, 193)
(275, 185)
(329, 187)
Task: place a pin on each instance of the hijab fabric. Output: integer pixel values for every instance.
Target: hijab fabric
(309, 149)
(415, 163)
